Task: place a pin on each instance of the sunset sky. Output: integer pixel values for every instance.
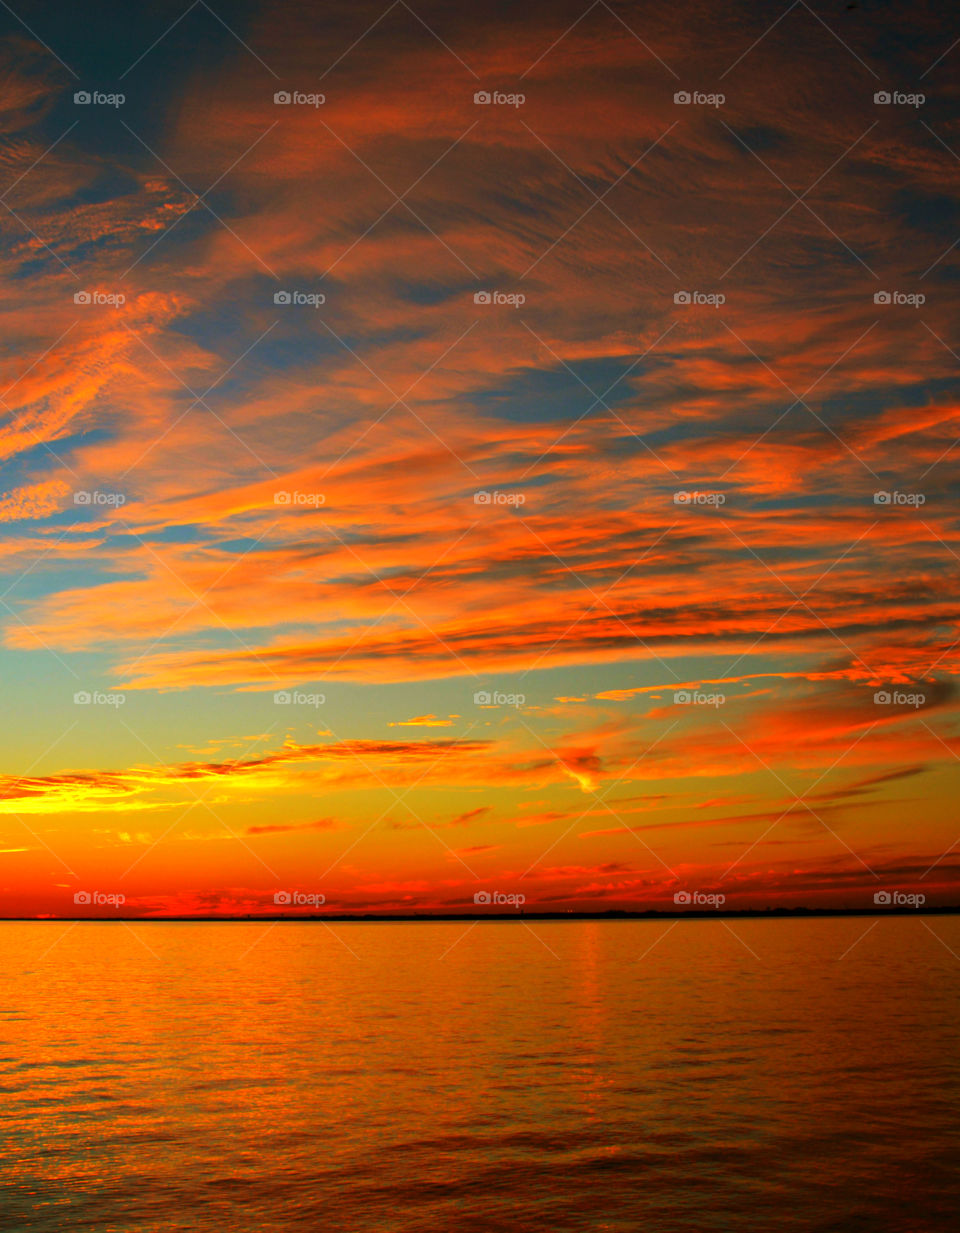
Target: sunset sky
(698, 436)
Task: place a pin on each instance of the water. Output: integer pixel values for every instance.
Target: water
(583, 1075)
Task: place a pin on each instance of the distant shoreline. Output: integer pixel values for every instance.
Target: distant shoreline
(471, 917)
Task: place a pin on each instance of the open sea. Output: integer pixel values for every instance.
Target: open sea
(375, 1078)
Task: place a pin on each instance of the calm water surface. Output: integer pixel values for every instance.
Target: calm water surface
(612, 1076)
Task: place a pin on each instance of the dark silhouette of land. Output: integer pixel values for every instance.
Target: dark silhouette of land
(467, 916)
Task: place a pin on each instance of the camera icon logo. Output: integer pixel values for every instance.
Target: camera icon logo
(482, 897)
(882, 698)
(81, 498)
(682, 96)
(681, 297)
(282, 698)
(882, 898)
(282, 498)
(281, 897)
(881, 297)
(482, 497)
(81, 897)
(281, 297)
(283, 96)
(81, 297)
(882, 498)
(681, 897)
(482, 297)
(482, 96)
(82, 698)
(482, 698)
(681, 697)
(882, 97)
(82, 96)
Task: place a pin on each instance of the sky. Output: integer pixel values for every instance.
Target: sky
(478, 455)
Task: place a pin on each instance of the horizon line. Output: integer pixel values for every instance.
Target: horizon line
(614, 914)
